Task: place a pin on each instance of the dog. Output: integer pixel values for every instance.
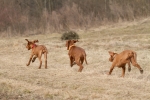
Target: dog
(123, 58)
(37, 51)
(76, 54)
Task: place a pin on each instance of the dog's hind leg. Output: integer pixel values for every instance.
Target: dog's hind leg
(80, 65)
(39, 56)
(82, 60)
(45, 57)
(134, 63)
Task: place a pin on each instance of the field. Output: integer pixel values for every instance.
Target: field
(61, 82)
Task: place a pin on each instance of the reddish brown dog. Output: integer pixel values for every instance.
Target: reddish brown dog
(37, 51)
(76, 54)
(120, 60)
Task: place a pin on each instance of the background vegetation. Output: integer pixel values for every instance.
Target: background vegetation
(46, 16)
(69, 35)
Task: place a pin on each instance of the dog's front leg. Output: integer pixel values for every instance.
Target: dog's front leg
(29, 60)
(123, 70)
(111, 69)
(34, 58)
(129, 67)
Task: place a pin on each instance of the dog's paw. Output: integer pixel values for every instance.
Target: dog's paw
(33, 59)
(71, 65)
(129, 69)
(141, 71)
(108, 73)
(27, 64)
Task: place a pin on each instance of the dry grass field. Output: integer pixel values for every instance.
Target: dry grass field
(61, 82)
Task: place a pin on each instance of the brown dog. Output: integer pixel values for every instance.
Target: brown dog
(120, 60)
(37, 51)
(76, 54)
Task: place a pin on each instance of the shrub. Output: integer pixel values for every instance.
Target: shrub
(69, 35)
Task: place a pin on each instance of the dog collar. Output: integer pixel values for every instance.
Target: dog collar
(71, 46)
(33, 46)
(114, 55)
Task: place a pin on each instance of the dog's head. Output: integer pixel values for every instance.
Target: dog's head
(31, 44)
(70, 43)
(112, 56)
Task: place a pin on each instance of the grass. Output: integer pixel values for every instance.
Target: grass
(61, 82)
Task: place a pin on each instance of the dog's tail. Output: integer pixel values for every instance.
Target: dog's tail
(85, 58)
(45, 50)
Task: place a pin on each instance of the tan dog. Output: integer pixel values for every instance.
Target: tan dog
(120, 60)
(76, 54)
(37, 51)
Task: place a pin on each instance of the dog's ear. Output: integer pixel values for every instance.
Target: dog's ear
(27, 40)
(67, 44)
(111, 53)
(75, 41)
(35, 41)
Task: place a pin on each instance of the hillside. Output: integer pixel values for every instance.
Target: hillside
(61, 82)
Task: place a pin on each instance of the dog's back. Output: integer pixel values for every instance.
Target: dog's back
(123, 57)
(74, 51)
(77, 53)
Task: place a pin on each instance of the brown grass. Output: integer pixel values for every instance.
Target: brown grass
(61, 82)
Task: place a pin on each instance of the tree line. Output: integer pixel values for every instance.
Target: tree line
(41, 16)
